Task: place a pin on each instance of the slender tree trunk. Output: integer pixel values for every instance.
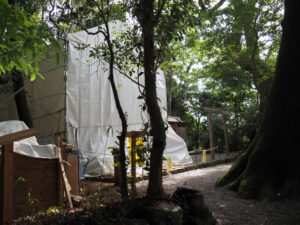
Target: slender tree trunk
(122, 136)
(146, 19)
(270, 167)
(20, 98)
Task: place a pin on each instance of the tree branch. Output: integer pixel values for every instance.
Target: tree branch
(161, 5)
(202, 5)
(218, 5)
(126, 75)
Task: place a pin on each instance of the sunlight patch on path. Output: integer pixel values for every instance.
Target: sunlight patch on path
(173, 179)
(176, 178)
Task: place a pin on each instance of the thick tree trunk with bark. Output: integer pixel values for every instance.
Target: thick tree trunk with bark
(251, 60)
(146, 19)
(271, 165)
(20, 98)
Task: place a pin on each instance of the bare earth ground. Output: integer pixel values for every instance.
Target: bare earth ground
(227, 207)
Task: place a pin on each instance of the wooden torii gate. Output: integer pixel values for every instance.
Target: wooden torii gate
(223, 114)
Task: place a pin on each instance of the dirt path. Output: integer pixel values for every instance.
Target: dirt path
(226, 206)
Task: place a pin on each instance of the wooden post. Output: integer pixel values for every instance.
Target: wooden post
(133, 135)
(60, 184)
(204, 158)
(211, 135)
(7, 173)
(133, 164)
(65, 180)
(225, 134)
(72, 171)
(210, 111)
(6, 183)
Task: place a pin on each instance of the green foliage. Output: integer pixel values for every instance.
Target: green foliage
(242, 40)
(21, 180)
(81, 15)
(228, 54)
(24, 40)
(53, 210)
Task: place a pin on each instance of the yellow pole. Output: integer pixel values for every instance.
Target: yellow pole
(169, 164)
(204, 156)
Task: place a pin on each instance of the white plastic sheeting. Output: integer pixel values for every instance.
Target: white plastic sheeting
(28, 146)
(92, 118)
(176, 148)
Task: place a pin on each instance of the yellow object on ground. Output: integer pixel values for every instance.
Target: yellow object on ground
(204, 156)
(169, 164)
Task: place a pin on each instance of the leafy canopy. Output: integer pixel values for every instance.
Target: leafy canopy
(24, 40)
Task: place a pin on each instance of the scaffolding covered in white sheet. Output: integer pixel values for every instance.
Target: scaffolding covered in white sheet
(92, 118)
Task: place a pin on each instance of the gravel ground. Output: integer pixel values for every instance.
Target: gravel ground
(227, 207)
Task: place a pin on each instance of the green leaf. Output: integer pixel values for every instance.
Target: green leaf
(32, 77)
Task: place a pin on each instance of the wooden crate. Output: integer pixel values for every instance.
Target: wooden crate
(27, 184)
(36, 184)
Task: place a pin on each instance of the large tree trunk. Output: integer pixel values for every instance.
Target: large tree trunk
(146, 19)
(251, 60)
(20, 98)
(270, 167)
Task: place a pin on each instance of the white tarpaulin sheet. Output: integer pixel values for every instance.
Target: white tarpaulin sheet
(28, 146)
(92, 118)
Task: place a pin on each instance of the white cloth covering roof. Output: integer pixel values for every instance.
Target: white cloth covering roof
(92, 118)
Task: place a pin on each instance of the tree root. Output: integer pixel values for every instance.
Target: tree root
(232, 178)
